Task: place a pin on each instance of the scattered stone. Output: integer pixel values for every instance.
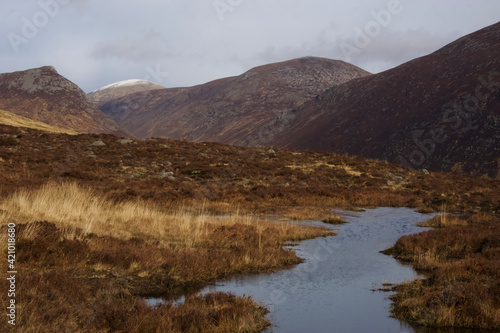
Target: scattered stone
(165, 174)
(124, 141)
(98, 144)
(163, 146)
(271, 151)
(425, 171)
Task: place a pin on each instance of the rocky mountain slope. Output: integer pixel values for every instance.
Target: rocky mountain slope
(43, 95)
(120, 89)
(439, 112)
(229, 109)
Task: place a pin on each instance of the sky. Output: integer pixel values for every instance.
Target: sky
(188, 42)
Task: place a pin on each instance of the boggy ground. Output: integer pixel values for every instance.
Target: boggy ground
(86, 269)
(102, 221)
(257, 180)
(462, 262)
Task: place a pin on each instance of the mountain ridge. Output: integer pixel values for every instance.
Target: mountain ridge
(438, 112)
(227, 110)
(42, 94)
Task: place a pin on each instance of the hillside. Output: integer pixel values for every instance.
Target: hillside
(43, 95)
(439, 112)
(229, 109)
(170, 171)
(11, 119)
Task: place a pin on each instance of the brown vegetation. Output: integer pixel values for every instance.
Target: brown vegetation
(444, 220)
(462, 262)
(88, 267)
(336, 220)
(149, 217)
(174, 173)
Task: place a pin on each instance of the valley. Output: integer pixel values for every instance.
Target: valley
(137, 191)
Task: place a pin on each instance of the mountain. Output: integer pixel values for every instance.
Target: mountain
(439, 112)
(120, 89)
(11, 119)
(230, 109)
(43, 95)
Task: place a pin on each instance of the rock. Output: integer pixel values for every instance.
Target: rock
(425, 171)
(124, 141)
(271, 151)
(165, 174)
(98, 144)
(163, 146)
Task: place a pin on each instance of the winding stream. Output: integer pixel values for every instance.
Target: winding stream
(333, 290)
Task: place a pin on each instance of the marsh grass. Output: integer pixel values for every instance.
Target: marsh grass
(335, 220)
(462, 261)
(86, 259)
(443, 221)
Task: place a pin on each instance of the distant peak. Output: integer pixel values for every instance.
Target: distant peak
(127, 83)
(48, 68)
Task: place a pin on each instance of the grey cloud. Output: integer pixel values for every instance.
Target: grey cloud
(147, 47)
(95, 43)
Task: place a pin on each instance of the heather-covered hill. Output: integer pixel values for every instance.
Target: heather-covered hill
(43, 95)
(230, 109)
(440, 112)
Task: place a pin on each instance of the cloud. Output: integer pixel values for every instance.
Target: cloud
(392, 48)
(95, 43)
(147, 47)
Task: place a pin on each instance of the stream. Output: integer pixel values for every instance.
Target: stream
(334, 290)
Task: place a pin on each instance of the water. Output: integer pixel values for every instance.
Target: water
(333, 290)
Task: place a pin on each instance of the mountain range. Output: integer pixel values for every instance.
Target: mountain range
(230, 109)
(440, 112)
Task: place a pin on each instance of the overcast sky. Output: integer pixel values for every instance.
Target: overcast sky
(187, 42)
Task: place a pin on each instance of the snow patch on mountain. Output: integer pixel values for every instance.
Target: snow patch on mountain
(126, 83)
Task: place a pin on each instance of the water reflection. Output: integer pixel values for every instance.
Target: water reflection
(333, 290)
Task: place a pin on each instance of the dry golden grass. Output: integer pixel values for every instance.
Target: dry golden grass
(93, 247)
(71, 206)
(444, 220)
(11, 119)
